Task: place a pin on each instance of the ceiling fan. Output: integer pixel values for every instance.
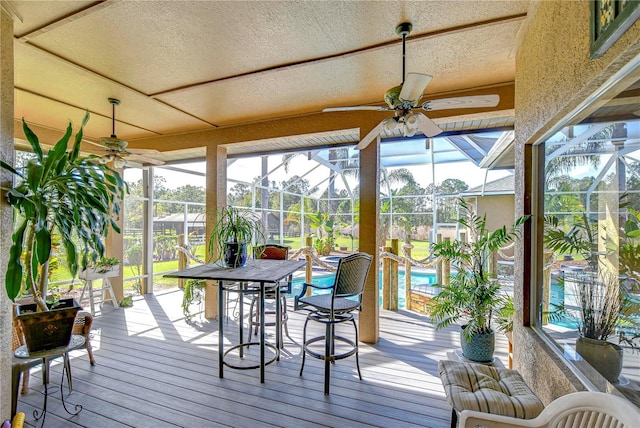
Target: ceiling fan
(405, 98)
(116, 149)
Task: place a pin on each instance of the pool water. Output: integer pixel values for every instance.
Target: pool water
(421, 279)
(557, 296)
(418, 279)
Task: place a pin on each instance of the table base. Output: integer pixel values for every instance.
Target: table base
(241, 346)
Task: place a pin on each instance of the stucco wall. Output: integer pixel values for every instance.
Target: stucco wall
(553, 76)
(7, 153)
(499, 210)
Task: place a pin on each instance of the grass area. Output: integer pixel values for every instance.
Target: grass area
(420, 251)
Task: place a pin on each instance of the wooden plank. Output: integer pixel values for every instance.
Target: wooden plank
(153, 369)
(419, 302)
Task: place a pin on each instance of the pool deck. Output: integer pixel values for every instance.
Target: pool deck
(156, 369)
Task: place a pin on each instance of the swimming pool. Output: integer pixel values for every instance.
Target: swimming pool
(425, 280)
(419, 279)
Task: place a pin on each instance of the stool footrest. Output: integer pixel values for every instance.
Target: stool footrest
(332, 357)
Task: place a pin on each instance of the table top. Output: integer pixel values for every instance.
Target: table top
(77, 340)
(256, 270)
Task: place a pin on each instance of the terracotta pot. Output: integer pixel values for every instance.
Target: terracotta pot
(480, 348)
(605, 357)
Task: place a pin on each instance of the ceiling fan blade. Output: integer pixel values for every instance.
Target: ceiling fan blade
(370, 136)
(142, 151)
(145, 160)
(93, 143)
(427, 126)
(373, 108)
(414, 86)
(462, 102)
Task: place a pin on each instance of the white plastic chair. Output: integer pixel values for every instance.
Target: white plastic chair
(575, 410)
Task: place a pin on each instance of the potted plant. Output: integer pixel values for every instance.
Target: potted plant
(472, 294)
(106, 267)
(193, 293)
(62, 193)
(234, 230)
(604, 306)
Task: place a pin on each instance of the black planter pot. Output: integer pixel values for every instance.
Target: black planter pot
(47, 330)
(235, 254)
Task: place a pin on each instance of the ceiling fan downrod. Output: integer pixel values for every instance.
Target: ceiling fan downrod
(403, 30)
(114, 102)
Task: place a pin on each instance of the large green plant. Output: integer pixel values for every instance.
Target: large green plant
(234, 225)
(60, 192)
(605, 300)
(473, 294)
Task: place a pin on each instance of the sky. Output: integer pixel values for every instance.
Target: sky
(247, 169)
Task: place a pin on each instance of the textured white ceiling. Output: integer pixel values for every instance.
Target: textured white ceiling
(193, 65)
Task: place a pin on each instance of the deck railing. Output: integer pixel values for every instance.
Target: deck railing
(392, 258)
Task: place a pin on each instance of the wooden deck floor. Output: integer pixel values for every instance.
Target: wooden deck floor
(153, 369)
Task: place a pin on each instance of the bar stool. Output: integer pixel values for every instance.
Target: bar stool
(335, 307)
(276, 252)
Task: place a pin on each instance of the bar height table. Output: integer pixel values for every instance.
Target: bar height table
(267, 273)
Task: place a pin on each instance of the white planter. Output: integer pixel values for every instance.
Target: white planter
(100, 272)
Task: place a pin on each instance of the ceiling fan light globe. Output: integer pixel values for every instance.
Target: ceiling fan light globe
(119, 163)
(411, 120)
(390, 124)
(409, 131)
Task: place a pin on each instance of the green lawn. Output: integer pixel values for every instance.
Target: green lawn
(420, 250)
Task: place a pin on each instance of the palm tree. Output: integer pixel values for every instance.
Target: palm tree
(585, 153)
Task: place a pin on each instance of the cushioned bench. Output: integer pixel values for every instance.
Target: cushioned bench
(498, 391)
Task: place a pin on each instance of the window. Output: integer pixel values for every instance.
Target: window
(590, 282)
(155, 224)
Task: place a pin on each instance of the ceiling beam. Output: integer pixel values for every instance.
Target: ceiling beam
(306, 124)
(320, 122)
(60, 21)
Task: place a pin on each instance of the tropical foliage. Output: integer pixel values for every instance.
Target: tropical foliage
(59, 192)
(234, 225)
(472, 294)
(604, 298)
(323, 224)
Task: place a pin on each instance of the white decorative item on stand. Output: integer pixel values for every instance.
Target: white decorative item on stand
(106, 291)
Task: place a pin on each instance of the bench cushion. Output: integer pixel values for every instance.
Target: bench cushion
(488, 389)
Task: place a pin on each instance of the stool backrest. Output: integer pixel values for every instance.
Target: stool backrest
(351, 275)
(271, 251)
(17, 337)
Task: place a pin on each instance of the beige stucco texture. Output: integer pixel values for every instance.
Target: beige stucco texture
(554, 75)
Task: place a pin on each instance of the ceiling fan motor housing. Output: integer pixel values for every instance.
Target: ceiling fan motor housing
(392, 97)
(404, 29)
